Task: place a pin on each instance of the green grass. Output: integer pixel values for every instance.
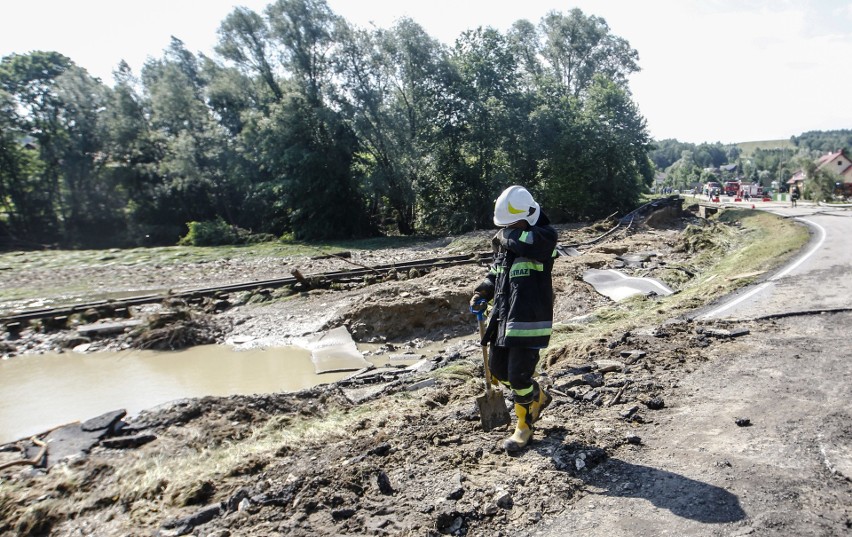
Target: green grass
(748, 148)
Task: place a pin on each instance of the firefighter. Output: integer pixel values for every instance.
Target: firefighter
(520, 287)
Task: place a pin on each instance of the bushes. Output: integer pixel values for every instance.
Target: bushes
(218, 232)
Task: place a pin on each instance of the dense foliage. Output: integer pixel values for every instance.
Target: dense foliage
(824, 141)
(306, 125)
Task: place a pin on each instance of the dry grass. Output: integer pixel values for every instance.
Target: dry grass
(743, 242)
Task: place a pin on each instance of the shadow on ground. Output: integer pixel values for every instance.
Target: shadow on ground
(684, 497)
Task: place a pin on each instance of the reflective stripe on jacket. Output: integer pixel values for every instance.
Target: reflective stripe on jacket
(520, 284)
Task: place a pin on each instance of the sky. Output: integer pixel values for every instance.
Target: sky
(711, 70)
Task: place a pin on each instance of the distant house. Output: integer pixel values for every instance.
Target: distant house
(837, 162)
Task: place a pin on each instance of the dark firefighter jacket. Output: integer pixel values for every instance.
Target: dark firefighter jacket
(519, 282)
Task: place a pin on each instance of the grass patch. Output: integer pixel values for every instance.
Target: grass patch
(738, 242)
(748, 148)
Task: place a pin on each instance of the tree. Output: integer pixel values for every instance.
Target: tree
(578, 47)
(309, 153)
(387, 83)
(244, 38)
(305, 29)
(819, 182)
(30, 80)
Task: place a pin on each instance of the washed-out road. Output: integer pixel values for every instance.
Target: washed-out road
(786, 469)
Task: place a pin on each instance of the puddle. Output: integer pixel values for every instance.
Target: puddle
(40, 392)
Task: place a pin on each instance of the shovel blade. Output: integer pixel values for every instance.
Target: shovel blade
(492, 410)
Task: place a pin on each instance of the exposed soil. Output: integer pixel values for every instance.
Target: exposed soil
(401, 453)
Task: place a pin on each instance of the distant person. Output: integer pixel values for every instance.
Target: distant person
(520, 285)
(794, 196)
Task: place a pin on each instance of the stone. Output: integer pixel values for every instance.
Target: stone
(504, 500)
(628, 413)
(595, 380)
(655, 403)
(456, 488)
(104, 329)
(104, 421)
(384, 484)
(185, 525)
(608, 366)
(343, 514)
(70, 441)
(428, 383)
(632, 355)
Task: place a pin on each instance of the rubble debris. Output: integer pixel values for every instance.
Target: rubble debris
(742, 422)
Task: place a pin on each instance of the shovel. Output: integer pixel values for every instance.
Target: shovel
(492, 405)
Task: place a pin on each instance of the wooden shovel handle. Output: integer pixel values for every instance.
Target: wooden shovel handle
(485, 355)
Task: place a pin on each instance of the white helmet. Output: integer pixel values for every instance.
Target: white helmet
(514, 204)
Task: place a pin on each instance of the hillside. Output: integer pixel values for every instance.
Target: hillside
(748, 148)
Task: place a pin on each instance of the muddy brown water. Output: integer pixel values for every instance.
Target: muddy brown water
(39, 392)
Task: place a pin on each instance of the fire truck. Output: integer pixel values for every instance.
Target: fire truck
(731, 188)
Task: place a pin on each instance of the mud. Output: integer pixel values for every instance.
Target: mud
(403, 454)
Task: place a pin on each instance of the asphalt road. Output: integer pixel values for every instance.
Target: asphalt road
(819, 279)
(697, 473)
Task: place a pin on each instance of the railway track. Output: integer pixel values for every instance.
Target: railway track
(118, 307)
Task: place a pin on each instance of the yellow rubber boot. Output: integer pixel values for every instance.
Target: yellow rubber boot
(539, 404)
(523, 431)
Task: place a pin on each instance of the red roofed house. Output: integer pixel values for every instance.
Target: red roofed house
(836, 162)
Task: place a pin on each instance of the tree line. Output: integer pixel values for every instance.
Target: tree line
(307, 126)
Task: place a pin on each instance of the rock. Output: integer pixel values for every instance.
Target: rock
(383, 481)
(627, 414)
(235, 502)
(448, 522)
(633, 355)
(633, 439)
(127, 442)
(720, 333)
(655, 403)
(104, 421)
(381, 450)
(457, 489)
(428, 383)
(105, 329)
(608, 366)
(610, 249)
(185, 525)
(423, 366)
(70, 441)
(595, 380)
(343, 514)
(73, 341)
(591, 395)
(504, 500)
(743, 422)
